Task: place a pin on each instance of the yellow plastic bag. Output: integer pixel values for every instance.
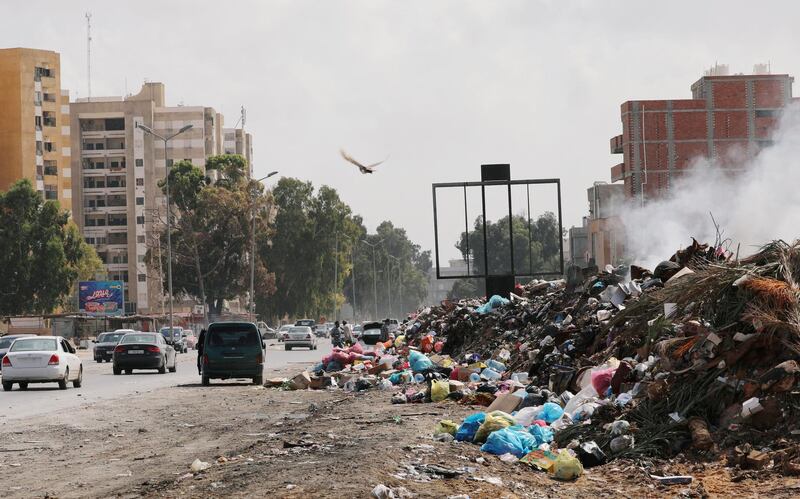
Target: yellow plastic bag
(566, 466)
(440, 389)
(399, 341)
(495, 420)
(445, 426)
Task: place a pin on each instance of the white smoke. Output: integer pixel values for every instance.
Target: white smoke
(751, 208)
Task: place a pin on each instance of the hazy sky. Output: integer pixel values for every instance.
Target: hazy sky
(438, 86)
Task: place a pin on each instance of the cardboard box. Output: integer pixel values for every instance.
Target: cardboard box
(301, 381)
(507, 403)
(456, 385)
(275, 382)
(464, 373)
(320, 382)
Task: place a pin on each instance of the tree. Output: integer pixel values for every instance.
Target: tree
(41, 255)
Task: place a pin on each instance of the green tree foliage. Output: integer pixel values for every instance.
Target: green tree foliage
(41, 255)
(211, 236)
(536, 249)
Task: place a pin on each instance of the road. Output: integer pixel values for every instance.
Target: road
(100, 384)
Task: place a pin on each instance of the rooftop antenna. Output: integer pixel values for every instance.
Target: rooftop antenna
(88, 16)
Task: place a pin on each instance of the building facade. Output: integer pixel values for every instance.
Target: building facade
(117, 202)
(604, 231)
(236, 141)
(35, 123)
(728, 118)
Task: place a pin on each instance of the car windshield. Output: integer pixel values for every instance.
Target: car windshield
(35, 345)
(232, 336)
(138, 338)
(110, 337)
(286, 328)
(306, 322)
(176, 333)
(6, 342)
(299, 329)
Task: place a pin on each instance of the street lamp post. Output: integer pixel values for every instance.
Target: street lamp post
(253, 255)
(166, 140)
(397, 261)
(374, 275)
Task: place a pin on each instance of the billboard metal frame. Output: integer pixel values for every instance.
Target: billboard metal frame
(491, 183)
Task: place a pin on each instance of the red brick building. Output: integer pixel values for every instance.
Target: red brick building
(728, 118)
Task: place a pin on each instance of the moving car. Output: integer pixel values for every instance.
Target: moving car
(41, 359)
(233, 350)
(306, 322)
(144, 351)
(190, 339)
(104, 345)
(371, 333)
(176, 339)
(5, 344)
(321, 331)
(267, 332)
(301, 336)
(283, 332)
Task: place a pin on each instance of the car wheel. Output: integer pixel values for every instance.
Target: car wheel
(258, 380)
(78, 382)
(287, 347)
(174, 367)
(117, 371)
(7, 386)
(163, 368)
(23, 385)
(62, 383)
(128, 371)
(205, 381)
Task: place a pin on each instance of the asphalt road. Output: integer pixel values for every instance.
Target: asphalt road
(99, 383)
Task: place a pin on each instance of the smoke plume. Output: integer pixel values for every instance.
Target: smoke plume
(751, 208)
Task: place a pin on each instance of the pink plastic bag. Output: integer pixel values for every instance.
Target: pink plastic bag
(356, 349)
(601, 380)
(344, 359)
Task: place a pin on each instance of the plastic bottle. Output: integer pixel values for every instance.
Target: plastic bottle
(475, 377)
(490, 374)
(495, 365)
(419, 378)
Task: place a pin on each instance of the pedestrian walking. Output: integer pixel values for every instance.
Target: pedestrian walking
(201, 340)
(347, 331)
(336, 335)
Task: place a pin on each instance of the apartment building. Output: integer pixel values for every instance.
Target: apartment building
(117, 202)
(236, 141)
(34, 123)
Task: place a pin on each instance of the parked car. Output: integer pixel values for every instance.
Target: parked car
(104, 345)
(267, 332)
(144, 351)
(5, 344)
(371, 333)
(190, 339)
(301, 336)
(283, 332)
(321, 331)
(233, 350)
(41, 359)
(358, 329)
(394, 325)
(176, 339)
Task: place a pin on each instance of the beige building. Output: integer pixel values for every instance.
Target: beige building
(34, 123)
(236, 141)
(117, 202)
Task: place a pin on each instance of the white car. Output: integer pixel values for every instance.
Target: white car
(300, 336)
(41, 359)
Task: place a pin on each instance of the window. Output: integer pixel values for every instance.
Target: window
(48, 147)
(140, 182)
(140, 220)
(39, 148)
(37, 98)
(49, 118)
(142, 278)
(766, 113)
(140, 201)
(88, 146)
(49, 97)
(40, 73)
(38, 122)
(50, 192)
(50, 169)
(140, 239)
(139, 162)
(115, 124)
(100, 165)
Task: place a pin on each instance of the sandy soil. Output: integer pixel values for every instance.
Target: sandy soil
(270, 443)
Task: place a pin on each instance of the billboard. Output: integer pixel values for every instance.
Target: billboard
(101, 297)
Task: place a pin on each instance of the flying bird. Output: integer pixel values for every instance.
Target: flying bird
(363, 168)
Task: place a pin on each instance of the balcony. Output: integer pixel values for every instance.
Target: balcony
(618, 172)
(616, 144)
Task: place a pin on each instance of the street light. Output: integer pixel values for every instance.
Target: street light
(150, 131)
(374, 274)
(397, 260)
(253, 255)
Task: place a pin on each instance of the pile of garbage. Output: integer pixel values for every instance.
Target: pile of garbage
(698, 356)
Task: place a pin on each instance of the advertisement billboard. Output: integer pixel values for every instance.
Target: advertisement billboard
(101, 297)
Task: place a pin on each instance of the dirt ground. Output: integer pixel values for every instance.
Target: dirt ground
(265, 442)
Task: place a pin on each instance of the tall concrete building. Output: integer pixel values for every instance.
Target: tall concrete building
(117, 202)
(236, 141)
(34, 123)
(729, 117)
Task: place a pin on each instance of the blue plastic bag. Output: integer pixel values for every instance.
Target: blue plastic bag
(494, 302)
(513, 440)
(466, 432)
(542, 434)
(550, 412)
(395, 378)
(418, 361)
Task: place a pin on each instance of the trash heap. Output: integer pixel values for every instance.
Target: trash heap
(699, 356)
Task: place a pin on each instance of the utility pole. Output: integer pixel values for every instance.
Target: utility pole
(253, 248)
(374, 276)
(335, 274)
(353, 261)
(88, 16)
(397, 261)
